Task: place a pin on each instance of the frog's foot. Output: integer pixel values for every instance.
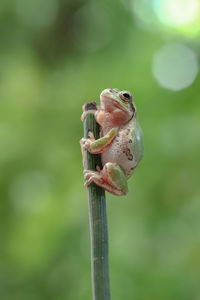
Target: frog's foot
(112, 179)
(86, 144)
(92, 176)
(100, 145)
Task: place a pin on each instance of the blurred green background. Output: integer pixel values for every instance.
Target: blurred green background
(56, 55)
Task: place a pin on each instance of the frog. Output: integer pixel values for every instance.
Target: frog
(120, 144)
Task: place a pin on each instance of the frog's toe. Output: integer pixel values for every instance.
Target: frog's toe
(88, 174)
(87, 182)
(92, 176)
(98, 170)
(93, 179)
(85, 172)
(85, 144)
(82, 142)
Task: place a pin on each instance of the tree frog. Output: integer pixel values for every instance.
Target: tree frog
(120, 143)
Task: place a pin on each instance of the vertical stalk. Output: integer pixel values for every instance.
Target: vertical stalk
(97, 217)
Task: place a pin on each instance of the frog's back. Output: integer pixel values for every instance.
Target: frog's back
(127, 148)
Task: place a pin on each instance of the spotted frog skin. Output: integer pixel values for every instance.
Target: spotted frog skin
(120, 143)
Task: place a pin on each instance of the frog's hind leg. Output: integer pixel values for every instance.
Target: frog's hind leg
(112, 179)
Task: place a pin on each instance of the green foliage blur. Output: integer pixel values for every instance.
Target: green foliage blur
(56, 55)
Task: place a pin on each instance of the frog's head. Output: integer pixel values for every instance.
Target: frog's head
(112, 99)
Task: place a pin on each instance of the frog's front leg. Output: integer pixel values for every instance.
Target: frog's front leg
(99, 145)
(112, 179)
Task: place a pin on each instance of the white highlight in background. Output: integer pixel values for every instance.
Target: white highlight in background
(176, 12)
(175, 66)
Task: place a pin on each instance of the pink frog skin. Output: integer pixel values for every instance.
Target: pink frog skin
(120, 143)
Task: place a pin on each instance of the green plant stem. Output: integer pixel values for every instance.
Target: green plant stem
(98, 220)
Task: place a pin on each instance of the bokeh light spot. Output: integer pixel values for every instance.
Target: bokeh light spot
(176, 12)
(175, 66)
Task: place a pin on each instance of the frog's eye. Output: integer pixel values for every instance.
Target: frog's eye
(126, 96)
